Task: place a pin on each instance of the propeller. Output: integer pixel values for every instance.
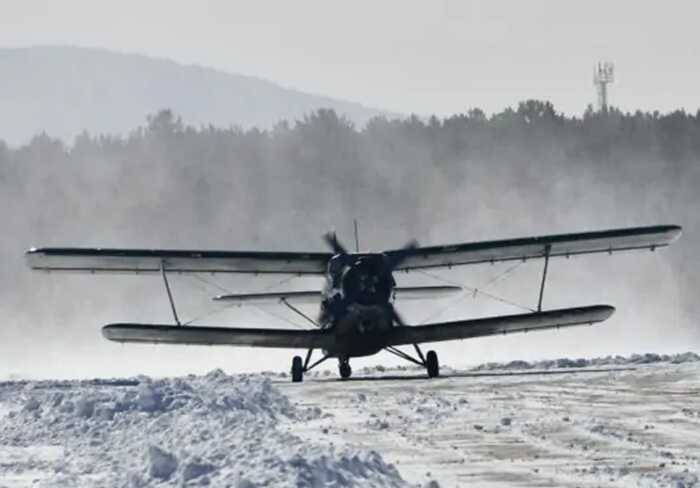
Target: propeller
(395, 258)
(392, 259)
(332, 241)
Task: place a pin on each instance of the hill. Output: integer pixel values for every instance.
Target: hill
(65, 90)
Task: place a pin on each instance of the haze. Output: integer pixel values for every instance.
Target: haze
(422, 57)
(182, 183)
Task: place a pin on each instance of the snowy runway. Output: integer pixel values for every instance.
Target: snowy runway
(634, 427)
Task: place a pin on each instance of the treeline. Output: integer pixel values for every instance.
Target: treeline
(465, 177)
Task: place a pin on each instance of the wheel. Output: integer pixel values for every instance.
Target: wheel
(432, 365)
(345, 370)
(297, 370)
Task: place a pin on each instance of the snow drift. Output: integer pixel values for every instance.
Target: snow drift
(215, 430)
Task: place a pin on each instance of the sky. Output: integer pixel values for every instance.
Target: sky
(404, 56)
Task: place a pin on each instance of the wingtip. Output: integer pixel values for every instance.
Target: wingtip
(675, 231)
(31, 255)
(107, 331)
(606, 311)
(32, 251)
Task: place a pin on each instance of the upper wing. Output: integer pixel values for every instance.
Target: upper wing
(536, 247)
(182, 261)
(465, 329)
(169, 334)
(153, 260)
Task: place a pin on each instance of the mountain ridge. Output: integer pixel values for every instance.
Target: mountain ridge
(65, 90)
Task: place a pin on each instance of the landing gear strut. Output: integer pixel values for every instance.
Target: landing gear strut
(344, 369)
(429, 361)
(299, 366)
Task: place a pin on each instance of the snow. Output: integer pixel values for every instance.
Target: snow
(634, 359)
(625, 427)
(517, 424)
(216, 430)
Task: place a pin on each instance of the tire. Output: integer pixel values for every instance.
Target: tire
(345, 370)
(297, 370)
(432, 364)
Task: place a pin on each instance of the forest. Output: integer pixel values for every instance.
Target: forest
(470, 176)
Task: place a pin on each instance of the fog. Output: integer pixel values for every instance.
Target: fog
(526, 170)
(400, 55)
(65, 90)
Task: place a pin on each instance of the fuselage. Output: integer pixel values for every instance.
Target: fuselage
(357, 303)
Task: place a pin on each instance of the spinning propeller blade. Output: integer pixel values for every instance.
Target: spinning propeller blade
(397, 258)
(392, 260)
(332, 241)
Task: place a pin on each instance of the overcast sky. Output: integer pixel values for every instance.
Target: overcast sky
(407, 56)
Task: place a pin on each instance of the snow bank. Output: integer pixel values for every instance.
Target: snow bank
(217, 430)
(634, 359)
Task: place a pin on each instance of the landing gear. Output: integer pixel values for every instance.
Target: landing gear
(297, 370)
(429, 361)
(300, 367)
(432, 364)
(344, 369)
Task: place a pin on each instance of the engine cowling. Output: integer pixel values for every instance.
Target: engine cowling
(367, 281)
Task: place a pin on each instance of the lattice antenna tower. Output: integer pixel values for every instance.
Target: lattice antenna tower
(603, 73)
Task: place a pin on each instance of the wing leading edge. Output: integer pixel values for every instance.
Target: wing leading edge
(206, 336)
(102, 260)
(467, 329)
(537, 247)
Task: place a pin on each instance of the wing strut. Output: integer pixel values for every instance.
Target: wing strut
(167, 289)
(547, 251)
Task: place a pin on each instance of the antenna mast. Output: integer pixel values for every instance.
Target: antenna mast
(603, 73)
(357, 237)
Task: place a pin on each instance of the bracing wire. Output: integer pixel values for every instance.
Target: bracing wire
(476, 291)
(210, 283)
(279, 317)
(210, 313)
(451, 304)
(502, 275)
(286, 279)
(228, 306)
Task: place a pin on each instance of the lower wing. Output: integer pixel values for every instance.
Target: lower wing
(194, 335)
(325, 338)
(466, 329)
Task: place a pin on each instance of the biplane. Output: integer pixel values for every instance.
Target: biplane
(358, 316)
